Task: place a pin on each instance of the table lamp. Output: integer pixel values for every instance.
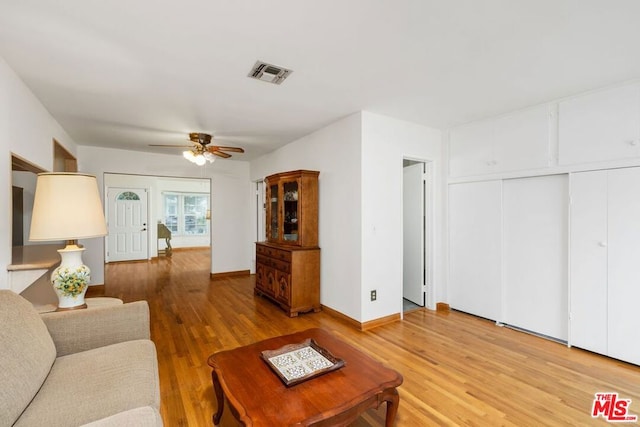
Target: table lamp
(67, 207)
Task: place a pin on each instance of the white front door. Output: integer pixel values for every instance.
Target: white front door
(127, 223)
(413, 234)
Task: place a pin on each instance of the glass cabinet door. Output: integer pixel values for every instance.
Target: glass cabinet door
(273, 212)
(290, 211)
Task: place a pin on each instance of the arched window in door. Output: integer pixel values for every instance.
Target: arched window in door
(128, 195)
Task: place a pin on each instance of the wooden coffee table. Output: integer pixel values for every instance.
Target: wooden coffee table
(257, 396)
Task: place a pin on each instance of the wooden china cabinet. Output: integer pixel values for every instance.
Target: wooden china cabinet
(288, 262)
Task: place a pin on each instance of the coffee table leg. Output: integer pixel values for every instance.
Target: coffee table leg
(392, 407)
(220, 398)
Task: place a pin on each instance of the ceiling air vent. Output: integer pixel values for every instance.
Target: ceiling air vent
(269, 73)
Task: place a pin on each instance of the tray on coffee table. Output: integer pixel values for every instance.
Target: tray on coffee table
(295, 363)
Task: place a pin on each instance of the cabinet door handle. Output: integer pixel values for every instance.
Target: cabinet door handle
(602, 244)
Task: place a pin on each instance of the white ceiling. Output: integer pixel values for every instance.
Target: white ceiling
(126, 74)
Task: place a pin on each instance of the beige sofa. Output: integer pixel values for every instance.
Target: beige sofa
(93, 367)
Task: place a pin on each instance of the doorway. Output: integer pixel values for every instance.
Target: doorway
(260, 212)
(415, 226)
(260, 217)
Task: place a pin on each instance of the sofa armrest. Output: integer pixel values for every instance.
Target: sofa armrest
(80, 330)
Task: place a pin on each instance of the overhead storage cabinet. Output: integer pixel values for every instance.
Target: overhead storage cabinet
(519, 141)
(600, 126)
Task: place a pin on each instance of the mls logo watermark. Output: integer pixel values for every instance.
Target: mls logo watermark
(613, 409)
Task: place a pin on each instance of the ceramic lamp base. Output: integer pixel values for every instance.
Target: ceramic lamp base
(71, 279)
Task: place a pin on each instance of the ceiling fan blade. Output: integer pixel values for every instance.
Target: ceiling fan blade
(220, 154)
(170, 146)
(232, 149)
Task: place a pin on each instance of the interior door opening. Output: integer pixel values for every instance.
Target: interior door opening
(260, 216)
(415, 266)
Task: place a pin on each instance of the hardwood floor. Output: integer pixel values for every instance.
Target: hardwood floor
(458, 369)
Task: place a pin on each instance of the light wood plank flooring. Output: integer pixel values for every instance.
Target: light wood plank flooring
(458, 369)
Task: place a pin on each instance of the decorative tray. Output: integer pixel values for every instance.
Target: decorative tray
(295, 363)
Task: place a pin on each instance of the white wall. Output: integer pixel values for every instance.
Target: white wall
(360, 164)
(232, 241)
(231, 200)
(385, 142)
(27, 130)
(334, 151)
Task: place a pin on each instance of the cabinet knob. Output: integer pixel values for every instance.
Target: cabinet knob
(602, 244)
(634, 142)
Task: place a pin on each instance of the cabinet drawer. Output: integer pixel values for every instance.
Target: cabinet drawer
(284, 267)
(276, 264)
(279, 254)
(273, 253)
(262, 261)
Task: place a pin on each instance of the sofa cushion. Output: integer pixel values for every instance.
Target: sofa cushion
(139, 417)
(91, 385)
(26, 356)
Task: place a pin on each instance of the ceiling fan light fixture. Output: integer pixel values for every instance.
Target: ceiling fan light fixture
(209, 157)
(201, 152)
(198, 157)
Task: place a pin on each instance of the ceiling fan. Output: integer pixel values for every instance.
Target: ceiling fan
(201, 152)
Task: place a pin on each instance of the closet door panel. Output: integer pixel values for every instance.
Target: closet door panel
(588, 264)
(624, 264)
(475, 248)
(535, 254)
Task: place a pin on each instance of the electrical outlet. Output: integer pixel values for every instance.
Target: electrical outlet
(374, 295)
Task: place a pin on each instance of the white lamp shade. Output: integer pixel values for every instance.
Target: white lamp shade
(66, 206)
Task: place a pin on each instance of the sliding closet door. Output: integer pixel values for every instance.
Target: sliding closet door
(624, 264)
(535, 254)
(588, 264)
(475, 248)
